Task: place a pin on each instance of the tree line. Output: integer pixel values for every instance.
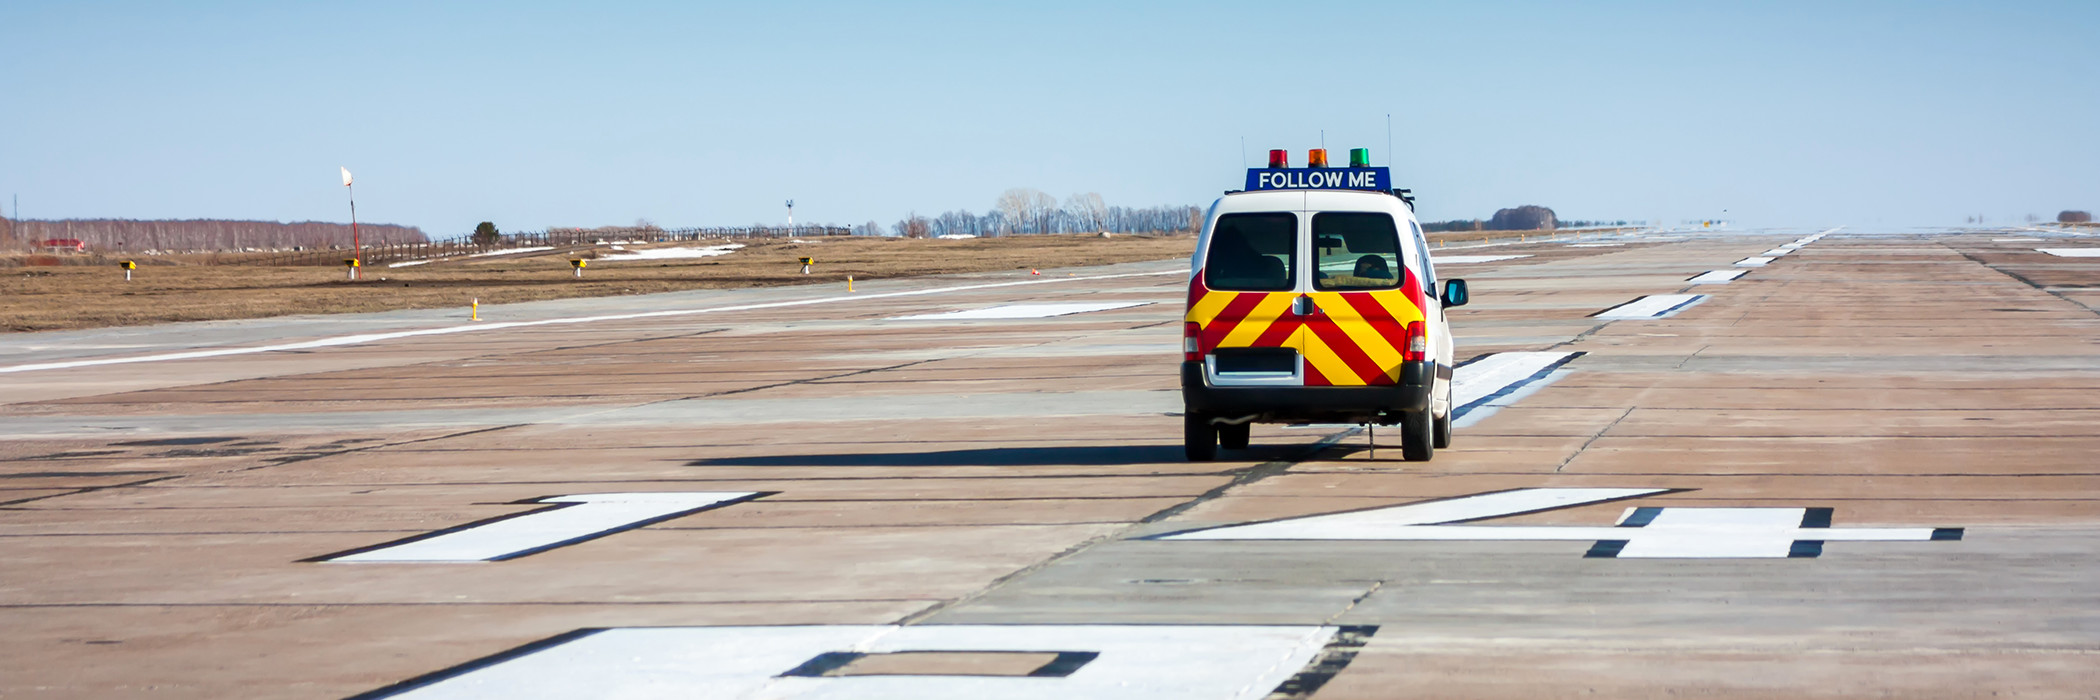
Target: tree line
(131, 235)
(1026, 211)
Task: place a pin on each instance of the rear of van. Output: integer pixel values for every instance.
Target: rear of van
(1313, 306)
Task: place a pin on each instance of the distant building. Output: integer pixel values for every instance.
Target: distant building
(64, 245)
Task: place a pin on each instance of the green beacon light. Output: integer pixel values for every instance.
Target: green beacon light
(1359, 157)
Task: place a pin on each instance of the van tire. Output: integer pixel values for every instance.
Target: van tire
(1199, 439)
(1234, 437)
(1417, 436)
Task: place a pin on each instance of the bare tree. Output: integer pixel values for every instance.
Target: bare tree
(1015, 203)
(1087, 209)
(1040, 206)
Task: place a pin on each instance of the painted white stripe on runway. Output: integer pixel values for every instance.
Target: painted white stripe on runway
(2016, 240)
(1469, 259)
(1776, 252)
(1652, 306)
(1021, 311)
(2072, 252)
(1113, 662)
(449, 330)
(1680, 533)
(1492, 375)
(1753, 262)
(1717, 276)
(583, 517)
(1410, 521)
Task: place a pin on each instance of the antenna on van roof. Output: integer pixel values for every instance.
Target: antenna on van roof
(1389, 137)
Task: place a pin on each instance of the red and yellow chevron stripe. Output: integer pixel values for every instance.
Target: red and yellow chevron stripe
(1357, 339)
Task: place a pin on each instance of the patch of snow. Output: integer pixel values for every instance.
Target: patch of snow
(673, 253)
(956, 236)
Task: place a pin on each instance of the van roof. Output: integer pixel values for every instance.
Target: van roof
(1314, 200)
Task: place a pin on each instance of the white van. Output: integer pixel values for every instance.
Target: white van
(1312, 298)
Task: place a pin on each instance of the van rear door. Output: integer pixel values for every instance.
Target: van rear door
(1365, 299)
(1242, 300)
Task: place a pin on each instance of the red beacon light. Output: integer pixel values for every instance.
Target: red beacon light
(1316, 158)
(1279, 158)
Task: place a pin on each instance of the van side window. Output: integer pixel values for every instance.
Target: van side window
(1253, 253)
(1356, 251)
(1422, 253)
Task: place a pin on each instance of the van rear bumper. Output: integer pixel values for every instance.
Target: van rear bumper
(1309, 403)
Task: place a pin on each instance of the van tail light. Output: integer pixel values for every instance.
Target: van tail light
(1189, 351)
(1417, 343)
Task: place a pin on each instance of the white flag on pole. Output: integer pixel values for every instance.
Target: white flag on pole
(346, 177)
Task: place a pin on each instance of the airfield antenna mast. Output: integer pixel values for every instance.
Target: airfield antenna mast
(1389, 138)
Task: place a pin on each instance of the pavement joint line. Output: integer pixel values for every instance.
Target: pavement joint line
(1593, 439)
(1244, 476)
(2020, 278)
(363, 338)
(75, 491)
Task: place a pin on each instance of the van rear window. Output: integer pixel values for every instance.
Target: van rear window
(1356, 251)
(1253, 253)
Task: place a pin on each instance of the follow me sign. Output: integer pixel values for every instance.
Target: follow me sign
(1379, 179)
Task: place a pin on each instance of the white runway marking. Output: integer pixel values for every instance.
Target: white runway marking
(1481, 386)
(1654, 533)
(587, 517)
(449, 330)
(2072, 252)
(1753, 262)
(1717, 276)
(1469, 259)
(1652, 306)
(1021, 311)
(1776, 252)
(1098, 662)
(2015, 240)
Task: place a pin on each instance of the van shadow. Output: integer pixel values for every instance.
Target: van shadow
(1002, 457)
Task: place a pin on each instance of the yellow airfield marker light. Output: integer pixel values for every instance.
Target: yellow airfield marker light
(351, 263)
(477, 309)
(849, 283)
(128, 267)
(806, 262)
(578, 264)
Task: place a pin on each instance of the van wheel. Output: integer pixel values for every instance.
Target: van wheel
(1234, 437)
(1198, 437)
(1417, 436)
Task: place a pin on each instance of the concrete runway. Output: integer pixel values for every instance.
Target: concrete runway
(788, 493)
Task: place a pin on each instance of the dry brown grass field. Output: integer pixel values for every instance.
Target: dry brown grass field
(90, 291)
(90, 296)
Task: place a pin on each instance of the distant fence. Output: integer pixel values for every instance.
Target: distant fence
(552, 238)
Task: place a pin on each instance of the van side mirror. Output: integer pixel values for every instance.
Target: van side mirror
(1455, 293)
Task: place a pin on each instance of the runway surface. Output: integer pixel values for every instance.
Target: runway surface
(1862, 464)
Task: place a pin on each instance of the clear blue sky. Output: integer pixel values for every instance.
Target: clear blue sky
(533, 114)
